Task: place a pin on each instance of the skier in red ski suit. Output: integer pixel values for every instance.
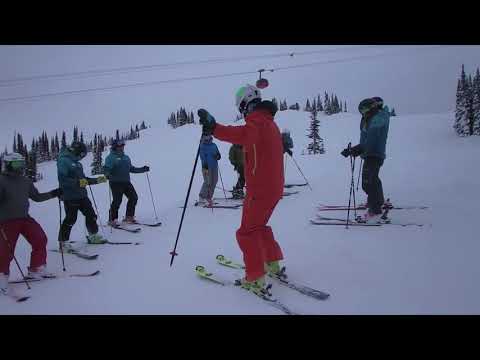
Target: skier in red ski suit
(263, 148)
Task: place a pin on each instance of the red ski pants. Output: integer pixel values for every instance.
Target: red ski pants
(255, 238)
(32, 232)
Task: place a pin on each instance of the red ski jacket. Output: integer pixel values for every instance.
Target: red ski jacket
(263, 149)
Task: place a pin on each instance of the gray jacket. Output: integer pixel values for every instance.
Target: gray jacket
(15, 190)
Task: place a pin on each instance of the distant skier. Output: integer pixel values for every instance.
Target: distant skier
(287, 142)
(263, 149)
(209, 155)
(117, 169)
(15, 190)
(236, 156)
(73, 183)
(373, 139)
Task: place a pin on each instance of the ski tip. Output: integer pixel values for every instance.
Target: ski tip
(22, 299)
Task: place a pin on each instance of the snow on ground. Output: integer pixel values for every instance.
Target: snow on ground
(385, 270)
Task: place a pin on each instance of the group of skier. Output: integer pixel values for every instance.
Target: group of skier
(16, 190)
(257, 155)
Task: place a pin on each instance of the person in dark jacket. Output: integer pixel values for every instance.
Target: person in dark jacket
(373, 139)
(117, 169)
(236, 158)
(209, 156)
(15, 190)
(73, 183)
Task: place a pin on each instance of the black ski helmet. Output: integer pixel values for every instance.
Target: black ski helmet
(369, 104)
(117, 143)
(78, 149)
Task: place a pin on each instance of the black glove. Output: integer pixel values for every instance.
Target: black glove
(289, 152)
(218, 157)
(356, 150)
(208, 122)
(146, 169)
(57, 192)
(346, 152)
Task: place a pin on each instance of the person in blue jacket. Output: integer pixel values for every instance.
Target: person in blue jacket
(209, 155)
(373, 140)
(73, 183)
(117, 169)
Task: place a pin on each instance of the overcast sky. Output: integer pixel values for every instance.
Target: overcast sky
(413, 79)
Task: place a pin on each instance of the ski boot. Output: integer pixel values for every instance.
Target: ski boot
(113, 223)
(66, 246)
(369, 218)
(201, 202)
(40, 272)
(238, 194)
(129, 220)
(259, 287)
(96, 239)
(275, 271)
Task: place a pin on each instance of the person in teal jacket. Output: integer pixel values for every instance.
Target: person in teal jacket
(372, 149)
(73, 183)
(117, 169)
(209, 156)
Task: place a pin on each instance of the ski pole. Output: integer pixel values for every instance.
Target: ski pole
(359, 172)
(350, 196)
(353, 185)
(285, 166)
(13, 255)
(109, 211)
(59, 232)
(223, 187)
(173, 252)
(151, 195)
(96, 208)
(298, 167)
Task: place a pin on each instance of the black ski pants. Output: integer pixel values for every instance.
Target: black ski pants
(372, 185)
(241, 178)
(71, 211)
(118, 190)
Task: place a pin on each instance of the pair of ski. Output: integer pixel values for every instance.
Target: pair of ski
(217, 205)
(134, 229)
(22, 298)
(305, 290)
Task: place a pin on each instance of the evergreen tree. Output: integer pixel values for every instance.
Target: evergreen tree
(15, 142)
(117, 135)
(316, 144)
(31, 166)
(345, 107)
(192, 118)
(476, 103)
(327, 107)
(307, 106)
(57, 146)
(392, 113)
(142, 126)
(64, 140)
(461, 125)
(75, 133)
(97, 167)
(314, 104)
(136, 128)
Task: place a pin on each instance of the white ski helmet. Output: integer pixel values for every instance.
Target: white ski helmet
(13, 162)
(245, 95)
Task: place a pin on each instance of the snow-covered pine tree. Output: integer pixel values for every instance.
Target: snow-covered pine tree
(97, 167)
(314, 104)
(31, 166)
(64, 140)
(75, 133)
(461, 124)
(393, 113)
(476, 103)
(316, 144)
(327, 106)
(345, 107)
(307, 106)
(15, 142)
